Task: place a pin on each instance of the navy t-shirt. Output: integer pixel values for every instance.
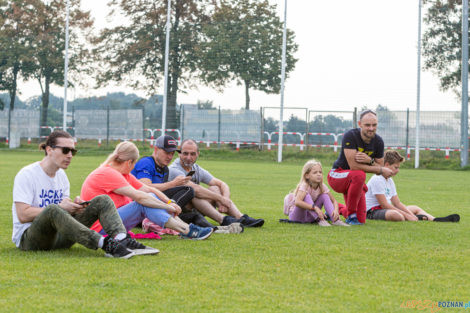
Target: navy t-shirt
(352, 140)
(148, 168)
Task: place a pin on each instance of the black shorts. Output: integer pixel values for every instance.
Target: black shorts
(377, 214)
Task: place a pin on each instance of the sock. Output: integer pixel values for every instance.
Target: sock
(101, 242)
(120, 236)
(451, 218)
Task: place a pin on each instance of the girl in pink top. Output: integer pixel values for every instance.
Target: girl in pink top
(311, 194)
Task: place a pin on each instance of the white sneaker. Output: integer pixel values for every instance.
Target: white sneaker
(323, 223)
(340, 223)
(234, 228)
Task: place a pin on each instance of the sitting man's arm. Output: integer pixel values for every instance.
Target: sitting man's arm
(143, 172)
(224, 188)
(27, 213)
(178, 181)
(354, 164)
(200, 191)
(143, 198)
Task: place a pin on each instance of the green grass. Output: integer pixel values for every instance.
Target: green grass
(278, 268)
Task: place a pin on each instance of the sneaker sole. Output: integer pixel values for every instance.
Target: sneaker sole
(127, 256)
(145, 251)
(255, 224)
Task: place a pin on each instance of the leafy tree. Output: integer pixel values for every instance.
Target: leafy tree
(15, 47)
(442, 42)
(48, 27)
(206, 105)
(270, 125)
(243, 42)
(295, 124)
(134, 54)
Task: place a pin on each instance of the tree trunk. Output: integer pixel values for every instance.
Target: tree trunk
(171, 103)
(12, 92)
(45, 102)
(247, 95)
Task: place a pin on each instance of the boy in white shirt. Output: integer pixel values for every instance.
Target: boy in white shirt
(382, 200)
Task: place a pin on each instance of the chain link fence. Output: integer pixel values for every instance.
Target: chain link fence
(302, 127)
(23, 122)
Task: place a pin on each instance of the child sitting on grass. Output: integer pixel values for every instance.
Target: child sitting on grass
(382, 200)
(311, 194)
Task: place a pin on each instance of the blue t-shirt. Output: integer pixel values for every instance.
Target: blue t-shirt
(148, 168)
(352, 140)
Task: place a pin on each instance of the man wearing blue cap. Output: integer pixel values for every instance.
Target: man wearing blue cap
(153, 171)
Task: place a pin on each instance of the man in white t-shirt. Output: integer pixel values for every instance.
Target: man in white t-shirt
(211, 201)
(382, 200)
(45, 218)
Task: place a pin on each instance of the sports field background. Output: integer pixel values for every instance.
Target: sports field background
(278, 268)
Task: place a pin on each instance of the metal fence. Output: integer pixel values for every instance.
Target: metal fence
(108, 124)
(23, 122)
(303, 127)
(220, 125)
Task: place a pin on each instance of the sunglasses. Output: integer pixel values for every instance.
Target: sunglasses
(66, 150)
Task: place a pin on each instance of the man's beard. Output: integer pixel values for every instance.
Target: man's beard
(190, 164)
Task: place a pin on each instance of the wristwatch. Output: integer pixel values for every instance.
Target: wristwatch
(372, 161)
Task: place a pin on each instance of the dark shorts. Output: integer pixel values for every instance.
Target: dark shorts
(377, 214)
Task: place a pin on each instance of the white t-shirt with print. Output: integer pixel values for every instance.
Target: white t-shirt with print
(379, 185)
(34, 187)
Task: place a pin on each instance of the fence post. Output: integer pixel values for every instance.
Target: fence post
(73, 119)
(218, 131)
(143, 126)
(307, 129)
(407, 129)
(182, 122)
(355, 117)
(107, 126)
(261, 140)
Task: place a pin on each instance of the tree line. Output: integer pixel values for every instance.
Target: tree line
(212, 43)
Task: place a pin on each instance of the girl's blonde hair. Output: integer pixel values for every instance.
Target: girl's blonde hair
(123, 152)
(306, 170)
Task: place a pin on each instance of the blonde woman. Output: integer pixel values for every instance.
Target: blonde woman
(134, 200)
(310, 196)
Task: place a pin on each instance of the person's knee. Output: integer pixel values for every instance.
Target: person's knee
(53, 209)
(358, 176)
(394, 216)
(190, 191)
(214, 189)
(102, 201)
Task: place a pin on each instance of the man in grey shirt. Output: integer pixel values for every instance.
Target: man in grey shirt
(211, 201)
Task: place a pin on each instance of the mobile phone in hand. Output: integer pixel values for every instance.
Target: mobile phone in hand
(190, 173)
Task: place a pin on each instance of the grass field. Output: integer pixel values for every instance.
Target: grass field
(278, 268)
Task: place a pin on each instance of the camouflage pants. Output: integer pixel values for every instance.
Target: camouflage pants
(55, 228)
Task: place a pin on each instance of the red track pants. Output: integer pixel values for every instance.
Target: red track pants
(352, 185)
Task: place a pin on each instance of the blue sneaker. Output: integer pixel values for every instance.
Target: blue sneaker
(353, 221)
(197, 232)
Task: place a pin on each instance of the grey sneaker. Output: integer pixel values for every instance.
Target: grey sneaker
(234, 228)
(340, 223)
(136, 247)
(114, 249)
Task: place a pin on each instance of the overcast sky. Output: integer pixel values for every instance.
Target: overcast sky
(351, 54)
